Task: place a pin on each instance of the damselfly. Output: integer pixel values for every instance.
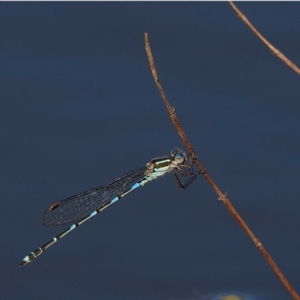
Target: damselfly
(77, 209)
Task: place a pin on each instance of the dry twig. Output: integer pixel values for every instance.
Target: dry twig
(269, 45)
(221, 196)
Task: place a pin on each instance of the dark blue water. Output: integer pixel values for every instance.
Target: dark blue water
(79, 108)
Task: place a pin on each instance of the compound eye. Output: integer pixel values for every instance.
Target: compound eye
(174, 152)
(179, 158)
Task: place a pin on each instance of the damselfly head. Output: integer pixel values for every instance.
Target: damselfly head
(179, 156)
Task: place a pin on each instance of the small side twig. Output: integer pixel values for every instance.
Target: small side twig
(221, 196)
(268, 44)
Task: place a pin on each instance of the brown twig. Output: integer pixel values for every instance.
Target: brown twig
(271, 47)
(222, 197)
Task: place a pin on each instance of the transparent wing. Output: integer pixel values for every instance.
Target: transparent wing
(75, 208)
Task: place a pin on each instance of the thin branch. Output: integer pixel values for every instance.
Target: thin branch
(221, 196)
(271, 47)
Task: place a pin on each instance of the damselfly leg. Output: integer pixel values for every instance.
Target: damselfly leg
(186, 170)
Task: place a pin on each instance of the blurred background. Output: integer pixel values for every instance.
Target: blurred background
(79, 108)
